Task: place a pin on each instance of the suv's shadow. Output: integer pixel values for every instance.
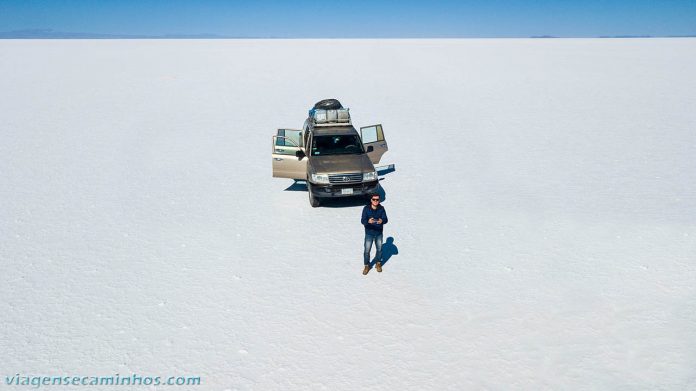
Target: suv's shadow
(349, 202)
(384, 170)
(339, 202)
(297, 186)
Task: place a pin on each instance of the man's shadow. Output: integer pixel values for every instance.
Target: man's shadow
(389, 249)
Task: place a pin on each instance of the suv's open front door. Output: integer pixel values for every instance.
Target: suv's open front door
(285, 162)
(373, 136)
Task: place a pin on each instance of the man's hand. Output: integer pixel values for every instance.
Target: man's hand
(379, 221)
(371, 220)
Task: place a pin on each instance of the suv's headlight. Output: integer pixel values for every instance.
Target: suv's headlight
(320, 178)
(370, 176)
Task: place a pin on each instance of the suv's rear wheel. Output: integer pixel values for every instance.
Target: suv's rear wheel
(312, 200)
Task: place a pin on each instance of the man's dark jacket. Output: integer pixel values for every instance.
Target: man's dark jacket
(379, 213)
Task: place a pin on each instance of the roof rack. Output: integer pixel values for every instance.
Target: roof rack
(332, 117)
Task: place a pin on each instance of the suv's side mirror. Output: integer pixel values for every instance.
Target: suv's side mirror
(300, 154)
(370, 149)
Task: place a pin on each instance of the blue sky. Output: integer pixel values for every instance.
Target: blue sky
(377, 18)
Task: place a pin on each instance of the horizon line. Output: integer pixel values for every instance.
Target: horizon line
(52, 34)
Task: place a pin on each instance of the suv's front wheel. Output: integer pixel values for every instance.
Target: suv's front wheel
(312, 200)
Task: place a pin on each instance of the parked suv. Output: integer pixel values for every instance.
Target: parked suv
(330, 154)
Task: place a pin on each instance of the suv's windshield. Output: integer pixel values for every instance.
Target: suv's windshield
(340, 144)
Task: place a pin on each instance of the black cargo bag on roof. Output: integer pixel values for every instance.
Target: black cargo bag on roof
(328, 104)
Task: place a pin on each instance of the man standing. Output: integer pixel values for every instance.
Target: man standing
(373, 218)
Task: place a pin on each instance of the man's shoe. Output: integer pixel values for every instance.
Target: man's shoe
(366, 269)
(378, 266)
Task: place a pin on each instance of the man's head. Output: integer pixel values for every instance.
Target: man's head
(374, 200)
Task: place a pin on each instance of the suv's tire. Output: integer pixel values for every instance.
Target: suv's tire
(312, 200)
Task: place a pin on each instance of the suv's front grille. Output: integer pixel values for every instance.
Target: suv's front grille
(345, 178)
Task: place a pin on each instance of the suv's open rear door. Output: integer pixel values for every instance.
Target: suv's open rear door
(285, 163)
(373, 136)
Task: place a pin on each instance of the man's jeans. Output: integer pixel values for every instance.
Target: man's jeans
(368, 247)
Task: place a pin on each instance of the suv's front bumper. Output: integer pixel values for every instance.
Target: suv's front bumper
(336, 190)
